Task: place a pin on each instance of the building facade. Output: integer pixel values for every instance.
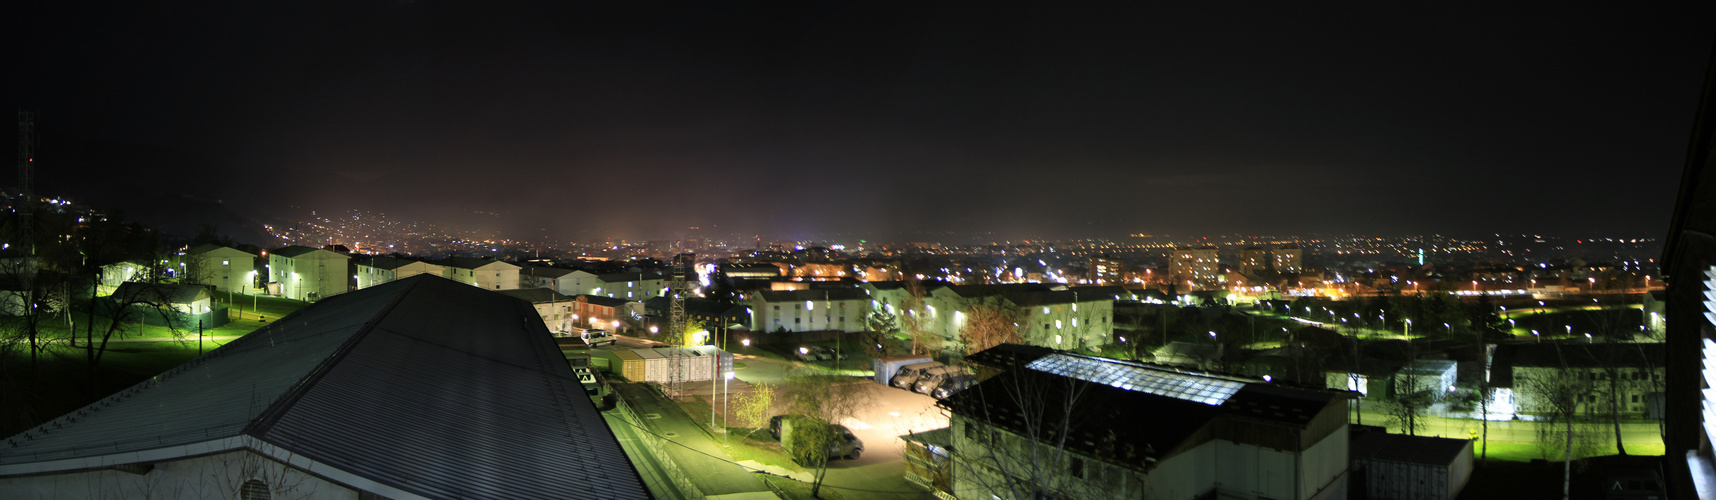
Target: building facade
(486, 274)
(1195, 268)
(834, 309)
(372, 271)
(227, 269)
(309, 274)
(1137, 431)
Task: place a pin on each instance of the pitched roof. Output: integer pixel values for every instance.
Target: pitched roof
(297, 250)
(544, 272)
(817, 294)
(168, 293)
(1109, 397)
(1370, 443)
(210, 247)
(624, 277)
(603, 301)
(387, 262)
(1580, 355)
(424, 385)
(535, 295)
(470, 263)
(1009, 356)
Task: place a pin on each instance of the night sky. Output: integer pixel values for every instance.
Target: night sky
(637, 119)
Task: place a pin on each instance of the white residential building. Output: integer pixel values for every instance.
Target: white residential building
(304, 273)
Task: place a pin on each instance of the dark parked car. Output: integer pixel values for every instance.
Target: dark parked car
(845, 444)
(952, 385)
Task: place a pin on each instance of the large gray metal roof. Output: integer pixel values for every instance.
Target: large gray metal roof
(424, 385)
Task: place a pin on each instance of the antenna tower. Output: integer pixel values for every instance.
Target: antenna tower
(677, 289)
(26, 181)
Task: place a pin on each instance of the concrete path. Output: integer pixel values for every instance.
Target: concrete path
(714, 473)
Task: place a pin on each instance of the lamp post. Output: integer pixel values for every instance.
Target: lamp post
(1408, 333)
(726, 399)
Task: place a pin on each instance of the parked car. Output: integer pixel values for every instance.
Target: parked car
(587, 379)
(595, 338)
(845, 444)
(933, 377)
(952, 385)
(827, 352)
(811, 354)
(909, 374)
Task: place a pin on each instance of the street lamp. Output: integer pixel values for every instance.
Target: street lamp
(1535, 337)
(1408, 329)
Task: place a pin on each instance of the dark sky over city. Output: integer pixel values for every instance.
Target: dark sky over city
(637, 119)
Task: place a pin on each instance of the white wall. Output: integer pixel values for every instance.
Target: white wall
(212, 477)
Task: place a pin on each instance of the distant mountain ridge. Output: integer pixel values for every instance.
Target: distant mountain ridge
(179, 216)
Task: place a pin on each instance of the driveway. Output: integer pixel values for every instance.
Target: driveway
(880, 471)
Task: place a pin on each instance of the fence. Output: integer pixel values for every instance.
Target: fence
(216, 317)
(795, 338)
(657, 448)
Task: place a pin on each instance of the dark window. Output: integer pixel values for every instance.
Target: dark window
(1076, 468)
(254, 490)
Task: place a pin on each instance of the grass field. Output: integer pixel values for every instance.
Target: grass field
(1517, 441)
(62, 380)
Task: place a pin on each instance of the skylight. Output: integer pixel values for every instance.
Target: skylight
(1202, 389)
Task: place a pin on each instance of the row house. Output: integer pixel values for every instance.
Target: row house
(225, 268)
(1605, 377)
(375, 270)
(487, 274)
(1049, 315)
(304, 273)
(708, 311)
(563, 281)
(637, 286)
(556, 309)
(607, 313)
(833, 309)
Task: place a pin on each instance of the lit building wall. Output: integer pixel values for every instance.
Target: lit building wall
(1195, 267)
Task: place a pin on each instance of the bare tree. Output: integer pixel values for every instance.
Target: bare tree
(826, 399)
(989, 323)
(914, 322)
(1012, 435)
(1407, 408)
(754, 406)
(1557, 395)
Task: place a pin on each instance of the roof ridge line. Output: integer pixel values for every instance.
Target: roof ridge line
(265, 421)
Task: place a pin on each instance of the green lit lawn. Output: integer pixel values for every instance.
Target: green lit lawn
(1516, 441)
(62, 380)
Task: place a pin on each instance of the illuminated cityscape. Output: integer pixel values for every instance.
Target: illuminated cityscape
(451, 249)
